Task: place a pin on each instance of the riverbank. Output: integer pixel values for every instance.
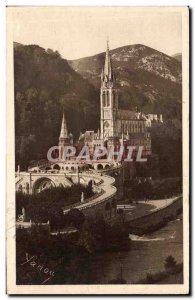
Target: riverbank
(145, 255)
(157, 217)
(164, 277)
(73, 264)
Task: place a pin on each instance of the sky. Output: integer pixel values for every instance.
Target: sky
(80, 32)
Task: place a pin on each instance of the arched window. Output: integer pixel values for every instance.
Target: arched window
(123, 127)
(113, 100)
(104, 99)
(108, 98)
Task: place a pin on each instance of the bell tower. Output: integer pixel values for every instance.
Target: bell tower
(108, 100)
(65, 139)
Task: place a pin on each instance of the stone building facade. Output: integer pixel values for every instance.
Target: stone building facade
(118, 126)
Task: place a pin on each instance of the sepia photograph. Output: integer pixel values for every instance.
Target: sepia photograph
(98, 150)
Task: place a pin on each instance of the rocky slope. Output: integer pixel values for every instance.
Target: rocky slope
(147, 78)
(132, 57)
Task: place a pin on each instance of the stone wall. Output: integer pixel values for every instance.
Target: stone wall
(106, 209)
(148, 222)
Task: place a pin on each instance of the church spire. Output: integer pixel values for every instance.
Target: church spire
(107, 76)
(108, 73)
(64, 131)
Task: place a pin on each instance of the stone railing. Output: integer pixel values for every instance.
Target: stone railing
(96, 195)
(107, 188)
(25, 225)
(100, 201)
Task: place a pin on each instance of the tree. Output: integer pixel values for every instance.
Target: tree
(75, 218)
(22, 200)
(44, 84)
(89, 190)
(170, 264)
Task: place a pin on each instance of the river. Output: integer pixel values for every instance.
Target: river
(146, 255)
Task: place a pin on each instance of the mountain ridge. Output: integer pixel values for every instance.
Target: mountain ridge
(147, 79)
(133, 52)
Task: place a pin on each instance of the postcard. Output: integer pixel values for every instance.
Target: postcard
(97, 150)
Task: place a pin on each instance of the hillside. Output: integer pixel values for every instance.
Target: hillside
(44, 85)
(147, 78)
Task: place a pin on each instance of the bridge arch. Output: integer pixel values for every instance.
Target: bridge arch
(42, 184)
(56, 167)
(100, 167)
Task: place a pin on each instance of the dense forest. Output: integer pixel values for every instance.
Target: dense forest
(50, 203)
(45, 85)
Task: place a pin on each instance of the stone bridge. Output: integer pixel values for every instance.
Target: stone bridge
(107, 178)
(104, 201)
(31, 182)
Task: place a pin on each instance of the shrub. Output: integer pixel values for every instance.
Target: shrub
(170, 264)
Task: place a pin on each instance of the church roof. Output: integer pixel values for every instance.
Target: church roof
(136, 135)
(127, 114)
(124, 114)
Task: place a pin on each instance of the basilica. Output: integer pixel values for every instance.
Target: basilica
(117, 126)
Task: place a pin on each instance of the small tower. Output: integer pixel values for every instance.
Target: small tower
(65, 139)
(108, 99)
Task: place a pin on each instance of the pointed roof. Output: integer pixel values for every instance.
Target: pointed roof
(64, 131)
(108, 64)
